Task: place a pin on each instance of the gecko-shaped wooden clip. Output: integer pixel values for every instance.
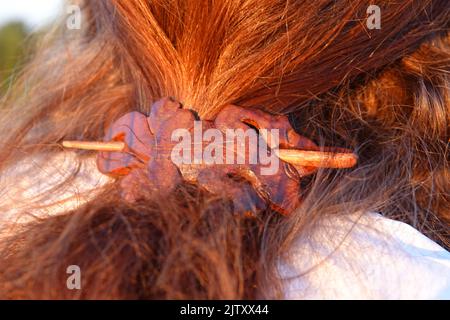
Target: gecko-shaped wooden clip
(137, 149)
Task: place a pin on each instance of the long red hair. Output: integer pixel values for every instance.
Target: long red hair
(384, 93)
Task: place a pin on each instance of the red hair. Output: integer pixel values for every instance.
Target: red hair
(382, 92)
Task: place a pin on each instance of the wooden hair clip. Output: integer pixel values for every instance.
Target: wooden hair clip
(139, 146)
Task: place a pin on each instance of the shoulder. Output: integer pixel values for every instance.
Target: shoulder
(47, 185)
(366, 257)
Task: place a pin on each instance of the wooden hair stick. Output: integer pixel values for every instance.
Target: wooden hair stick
(306, 158)
(112, 146)
(319, 159)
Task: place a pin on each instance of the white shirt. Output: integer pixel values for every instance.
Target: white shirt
(366, 257)
(358, 256)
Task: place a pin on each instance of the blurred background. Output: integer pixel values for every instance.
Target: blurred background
(21, 23)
